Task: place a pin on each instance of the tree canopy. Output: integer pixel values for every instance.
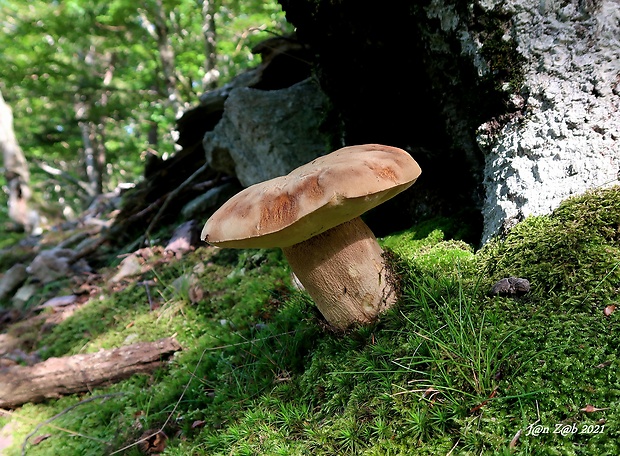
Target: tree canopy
(95, 86)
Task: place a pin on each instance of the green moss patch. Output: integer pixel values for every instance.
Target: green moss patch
(449, 369)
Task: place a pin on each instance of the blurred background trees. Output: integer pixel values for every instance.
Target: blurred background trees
(96, 86)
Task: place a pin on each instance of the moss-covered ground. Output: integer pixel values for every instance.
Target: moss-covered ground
(449, 370)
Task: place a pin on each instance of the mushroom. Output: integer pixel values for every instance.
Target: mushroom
(313, 215)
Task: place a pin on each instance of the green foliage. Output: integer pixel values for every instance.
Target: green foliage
(506, 63)
(56, 55)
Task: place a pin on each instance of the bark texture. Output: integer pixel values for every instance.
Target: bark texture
(16, 172)
(344, 272)
(68, 375)
(567, 139)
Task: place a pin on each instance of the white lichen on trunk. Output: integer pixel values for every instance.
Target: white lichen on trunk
(569, 140)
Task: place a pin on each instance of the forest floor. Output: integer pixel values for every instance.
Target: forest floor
(451, 369)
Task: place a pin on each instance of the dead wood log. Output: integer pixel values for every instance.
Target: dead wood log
(55, 377)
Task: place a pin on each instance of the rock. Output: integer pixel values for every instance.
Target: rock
(19, 356)
(23, 294)
(12, 279)
(284, 62)
(183, 238)
(265, 134)
(130, 266)
(57, 263)
(58, 301)
(50, 265)
(204, 205)
(510, 286)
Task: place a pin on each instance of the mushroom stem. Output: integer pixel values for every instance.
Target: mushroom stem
(344, 272)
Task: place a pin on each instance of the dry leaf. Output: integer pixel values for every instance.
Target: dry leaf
(196, 293)
(137, 420)
(515, 439)
(38, 439)
(198, 423)
(130, 266)
(590, 408)
(430, 391)
(609, 310)
(155, 442)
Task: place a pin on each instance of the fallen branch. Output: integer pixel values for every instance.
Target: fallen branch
(72, 374)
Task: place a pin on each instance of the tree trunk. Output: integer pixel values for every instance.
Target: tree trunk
(93, 174)
(158, 29)
(211, 77)
(16, 173)
(92, 127)
(68, 375)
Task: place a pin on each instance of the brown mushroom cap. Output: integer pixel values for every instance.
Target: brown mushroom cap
(311, 199)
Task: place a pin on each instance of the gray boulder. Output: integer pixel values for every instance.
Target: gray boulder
(12, 279)
(50, 265)
(267, 133)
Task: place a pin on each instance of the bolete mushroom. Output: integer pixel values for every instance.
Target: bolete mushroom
(313, 215)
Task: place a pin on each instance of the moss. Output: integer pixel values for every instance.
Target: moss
(427, 252)
(15, 254)
(448, 369)
(505, 62)
(570, 256)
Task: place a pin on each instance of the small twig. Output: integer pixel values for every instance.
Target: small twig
(601, 281)
(513, 443)
(148, 293)
(63, 174)
(250, 341)
(202, 186)
(68, 409)
(452, 449)
(245, 35)
(206, 185)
